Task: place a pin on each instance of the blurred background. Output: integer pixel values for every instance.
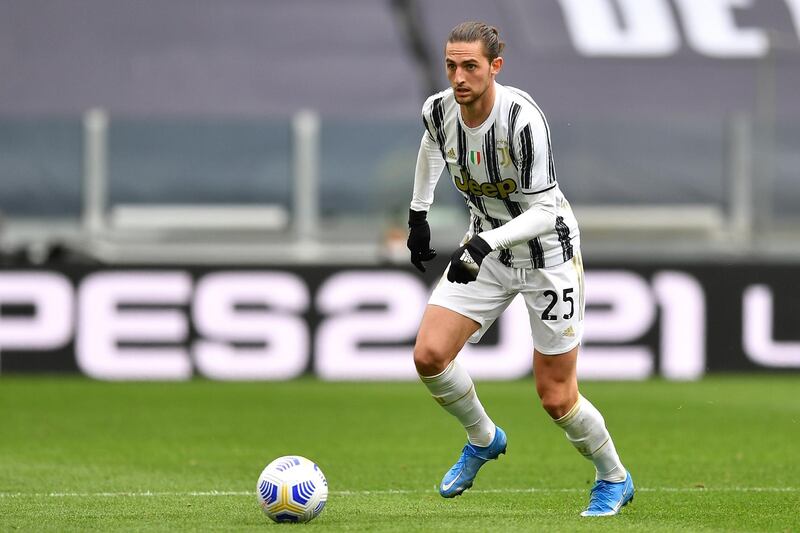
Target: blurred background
(191, 186)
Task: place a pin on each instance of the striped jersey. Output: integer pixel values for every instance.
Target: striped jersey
(500, 167)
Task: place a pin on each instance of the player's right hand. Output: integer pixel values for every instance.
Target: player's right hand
(419, 239)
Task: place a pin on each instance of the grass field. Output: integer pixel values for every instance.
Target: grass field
(76, 455)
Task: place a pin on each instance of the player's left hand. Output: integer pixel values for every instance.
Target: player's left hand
(466, 261)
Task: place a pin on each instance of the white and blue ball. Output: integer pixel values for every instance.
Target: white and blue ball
(292, 489)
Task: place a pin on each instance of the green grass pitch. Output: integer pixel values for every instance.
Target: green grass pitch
(722, 454)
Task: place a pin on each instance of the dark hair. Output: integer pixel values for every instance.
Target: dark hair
(470, 32)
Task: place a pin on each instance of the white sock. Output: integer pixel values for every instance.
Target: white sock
(586, 430)
(453, 389)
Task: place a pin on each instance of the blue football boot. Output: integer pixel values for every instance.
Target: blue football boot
(460, 477)
(608, 498)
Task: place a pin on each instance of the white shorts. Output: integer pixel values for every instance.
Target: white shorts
(554, 297)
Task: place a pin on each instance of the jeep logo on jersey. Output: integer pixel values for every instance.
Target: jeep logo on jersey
(490, 190)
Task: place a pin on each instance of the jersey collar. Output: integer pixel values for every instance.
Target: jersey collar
(484, 127)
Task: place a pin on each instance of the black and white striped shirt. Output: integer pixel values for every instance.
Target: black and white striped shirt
(503, 168)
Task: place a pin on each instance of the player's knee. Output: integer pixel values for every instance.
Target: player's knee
(556, 401)
(430, 359)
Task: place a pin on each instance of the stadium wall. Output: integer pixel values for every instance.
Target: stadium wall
(679, 321)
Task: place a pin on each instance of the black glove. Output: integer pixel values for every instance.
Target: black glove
(419, 239)
(466, 261)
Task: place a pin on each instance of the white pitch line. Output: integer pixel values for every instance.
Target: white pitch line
(217, 493)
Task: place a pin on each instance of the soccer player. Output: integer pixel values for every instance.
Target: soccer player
(522, 239)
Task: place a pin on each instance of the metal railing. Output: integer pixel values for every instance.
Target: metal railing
(296, 232)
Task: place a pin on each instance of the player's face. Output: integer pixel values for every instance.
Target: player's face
(469, 70)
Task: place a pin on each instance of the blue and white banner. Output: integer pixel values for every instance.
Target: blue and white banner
(675, 321)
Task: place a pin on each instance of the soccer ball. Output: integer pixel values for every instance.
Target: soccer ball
(292, 489)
